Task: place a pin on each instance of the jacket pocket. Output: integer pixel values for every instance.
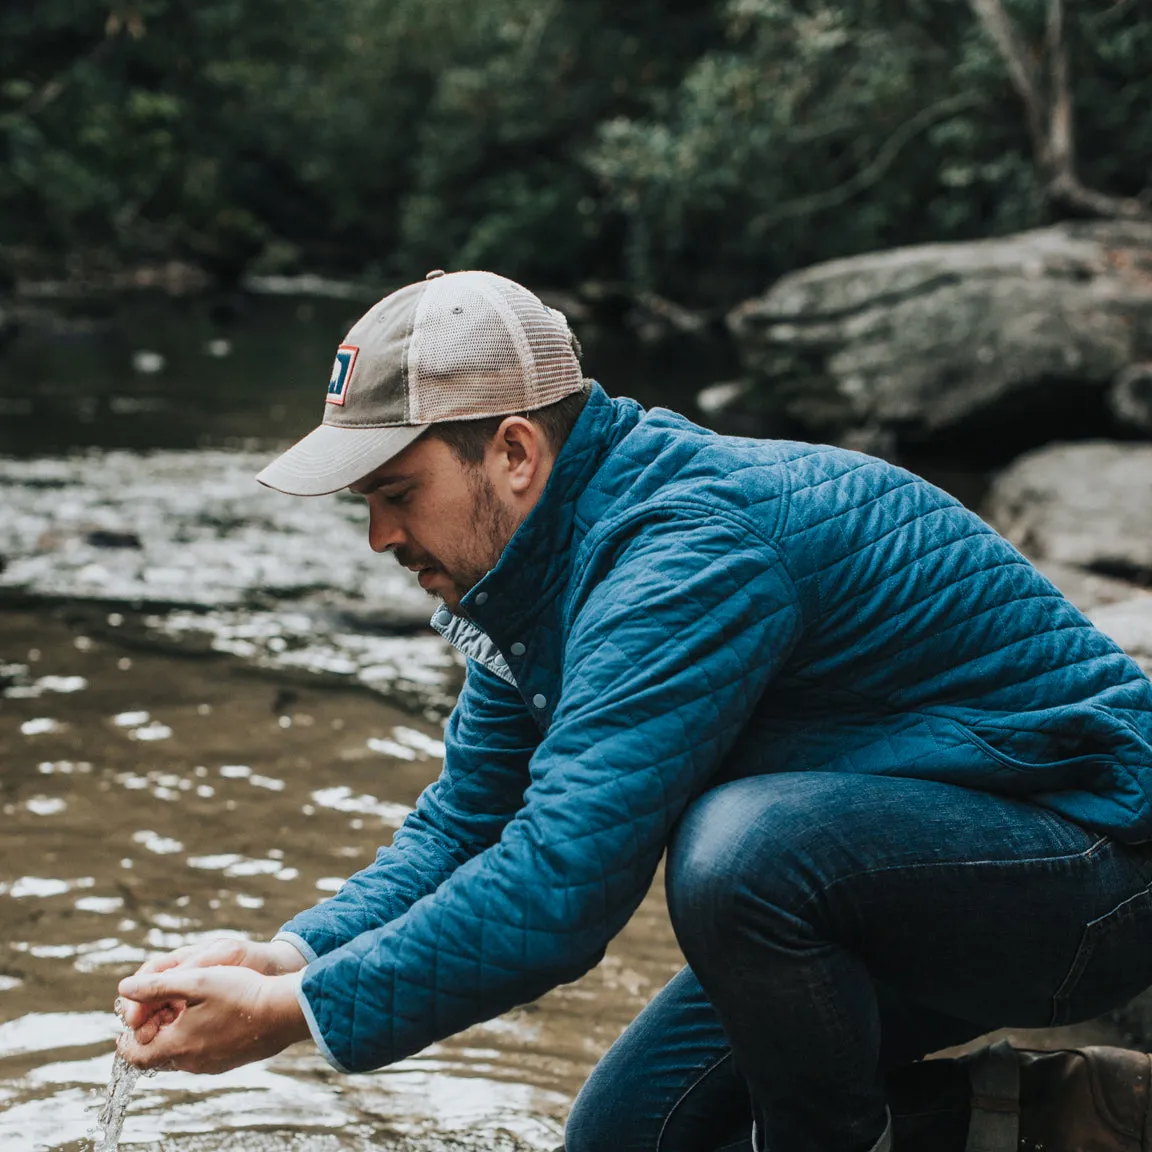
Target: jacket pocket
(1066, 771)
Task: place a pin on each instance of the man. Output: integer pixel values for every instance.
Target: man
(904, 786)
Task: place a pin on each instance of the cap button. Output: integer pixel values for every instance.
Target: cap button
(436, 272)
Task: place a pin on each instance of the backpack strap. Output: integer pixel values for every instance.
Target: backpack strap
(994, 1073)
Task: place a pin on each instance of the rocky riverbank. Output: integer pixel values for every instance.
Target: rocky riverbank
(1013, 340)
(186, 550)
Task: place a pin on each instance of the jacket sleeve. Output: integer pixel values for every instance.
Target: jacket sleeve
(488, 743)
(664, 662)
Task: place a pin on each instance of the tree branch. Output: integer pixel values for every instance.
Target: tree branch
(870, 174)
(1051, 116)
(1116, 11)
(55, 87)
(1017, 60)
(1066, 188)
(1061, 146)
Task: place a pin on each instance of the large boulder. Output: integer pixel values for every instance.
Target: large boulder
(942, 339)
(1131, 397)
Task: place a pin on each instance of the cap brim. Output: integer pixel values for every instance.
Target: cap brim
(330, 458)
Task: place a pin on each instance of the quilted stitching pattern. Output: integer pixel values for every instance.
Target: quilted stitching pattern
(693, 608)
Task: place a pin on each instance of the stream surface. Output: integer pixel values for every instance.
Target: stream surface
(150, 800)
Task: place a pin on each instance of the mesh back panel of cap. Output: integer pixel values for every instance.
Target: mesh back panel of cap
(483, 346)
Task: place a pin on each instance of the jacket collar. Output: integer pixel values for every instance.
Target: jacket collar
(533, 568)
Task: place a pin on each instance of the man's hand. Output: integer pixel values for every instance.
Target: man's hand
(212, 1019)
(270, 959)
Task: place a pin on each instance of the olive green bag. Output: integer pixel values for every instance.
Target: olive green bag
(1005, 1099)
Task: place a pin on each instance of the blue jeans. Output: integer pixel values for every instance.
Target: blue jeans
(837, 926)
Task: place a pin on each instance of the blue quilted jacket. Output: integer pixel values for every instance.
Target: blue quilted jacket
(682, 608)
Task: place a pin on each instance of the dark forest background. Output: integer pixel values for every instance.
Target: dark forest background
(689, 148)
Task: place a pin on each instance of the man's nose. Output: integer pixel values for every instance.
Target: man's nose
(384, 531)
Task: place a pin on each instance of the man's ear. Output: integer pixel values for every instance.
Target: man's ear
(521, 454)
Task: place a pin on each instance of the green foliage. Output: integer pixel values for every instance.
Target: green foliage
(695, 147)
(822, 129)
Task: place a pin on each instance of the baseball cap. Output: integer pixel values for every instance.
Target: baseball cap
(454, 346)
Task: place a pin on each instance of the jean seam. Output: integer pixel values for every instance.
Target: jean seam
(931, 864)
(1085, 854)
(688, 1090)
(1085, 950)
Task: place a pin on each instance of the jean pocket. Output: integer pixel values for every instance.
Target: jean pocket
(1112, 964)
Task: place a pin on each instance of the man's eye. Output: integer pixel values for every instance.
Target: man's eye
(398, 498)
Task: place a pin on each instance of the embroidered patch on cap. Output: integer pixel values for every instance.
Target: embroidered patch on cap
(341, 373)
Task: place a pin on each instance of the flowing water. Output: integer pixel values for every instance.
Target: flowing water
(111, 1118)
(150, 800)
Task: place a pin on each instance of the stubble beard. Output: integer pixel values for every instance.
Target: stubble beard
(494, 525)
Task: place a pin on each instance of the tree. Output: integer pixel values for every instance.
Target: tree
(823, 129)
(1046, 92)
(689, 148)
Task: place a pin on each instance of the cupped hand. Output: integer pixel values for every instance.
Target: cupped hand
(213, 1018)
(269, 958)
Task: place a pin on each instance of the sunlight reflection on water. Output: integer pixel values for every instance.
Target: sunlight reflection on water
(229, 828)
(55, 1103)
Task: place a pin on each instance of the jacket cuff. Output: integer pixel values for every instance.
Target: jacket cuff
(314, 1028)
(299, 943)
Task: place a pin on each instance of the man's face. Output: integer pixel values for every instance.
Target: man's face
(443, 519)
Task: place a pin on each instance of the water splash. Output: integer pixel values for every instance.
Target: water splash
(123, 1079)
(111, 1118)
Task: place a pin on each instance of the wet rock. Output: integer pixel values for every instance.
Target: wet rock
(1087, 590)
(104, 539)
(938, 338)
(872, 439)
(418, 672)
(1086, 506)
(208, 536)
(289, 1140)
